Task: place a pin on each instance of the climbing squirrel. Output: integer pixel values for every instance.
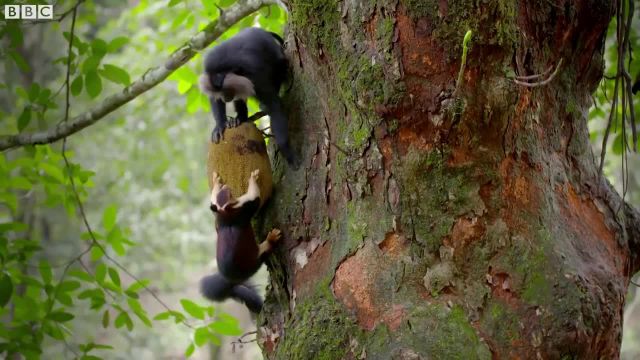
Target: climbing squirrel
(238, 254)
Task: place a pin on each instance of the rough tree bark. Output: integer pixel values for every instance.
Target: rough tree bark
(429, 221)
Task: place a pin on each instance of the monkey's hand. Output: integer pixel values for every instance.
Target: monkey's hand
(274, 236)
(216, 134)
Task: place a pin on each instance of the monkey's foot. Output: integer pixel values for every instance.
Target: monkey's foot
(233, 122)
(217, 134)
(274, 236)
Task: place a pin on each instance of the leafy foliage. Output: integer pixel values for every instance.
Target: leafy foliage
(81, 230)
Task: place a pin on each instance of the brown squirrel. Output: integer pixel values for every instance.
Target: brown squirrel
(238, 254)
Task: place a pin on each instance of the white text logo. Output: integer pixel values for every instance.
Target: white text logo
(30, 12)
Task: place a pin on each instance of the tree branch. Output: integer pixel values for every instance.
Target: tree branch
(151, 78)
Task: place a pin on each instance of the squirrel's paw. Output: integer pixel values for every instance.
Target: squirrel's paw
(274, 236)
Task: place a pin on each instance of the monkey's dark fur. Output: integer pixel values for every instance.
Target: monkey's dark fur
(252, 63)
(238, 255)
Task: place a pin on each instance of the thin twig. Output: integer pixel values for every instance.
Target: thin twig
(150, 79)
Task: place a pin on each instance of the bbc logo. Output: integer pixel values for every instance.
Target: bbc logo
(31, 12)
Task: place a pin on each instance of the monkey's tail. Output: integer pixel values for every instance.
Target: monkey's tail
(217, 288)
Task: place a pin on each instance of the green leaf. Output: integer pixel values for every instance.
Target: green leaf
(96, 253)
(53, 171)
(76, 86)
(123, 319)
(81, 274)
(138, 285)
(226, 328)
(68, 286)
(90, 357)
(105, 319)
(90, 64)
(192, 309)
(60, 316)
(93, 84)
(15, 33)
(6, 289)
(20, 182)
(115, 74)
(101, 272)
(19, 60)
(163, 315)
(190, 349)
(200, 336)
(45, 271)
(99, 47)
(113, 274)
(95, 295)
(174, 2)
(24, 118)
(109, 217)
(117, 43)
(64, 299)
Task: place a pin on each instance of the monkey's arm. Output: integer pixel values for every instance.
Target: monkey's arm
(242, 113)
(220, 116)
(279, 126)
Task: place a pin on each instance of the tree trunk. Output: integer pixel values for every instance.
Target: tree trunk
(436, 219)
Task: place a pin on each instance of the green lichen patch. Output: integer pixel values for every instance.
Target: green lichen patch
(436, 195)
(320, 328)
(453, 20)
(435, 331)
(501, 323)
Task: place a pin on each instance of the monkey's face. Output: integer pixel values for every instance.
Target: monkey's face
(226, 87)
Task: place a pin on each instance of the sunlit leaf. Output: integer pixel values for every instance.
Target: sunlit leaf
(96, 253)
(190, 349)
(192, 309)
(109, 217)
(226, 328)
(115, 74)
(200, 336)
(117, 43)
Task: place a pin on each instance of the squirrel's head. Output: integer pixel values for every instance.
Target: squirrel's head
(223, 202)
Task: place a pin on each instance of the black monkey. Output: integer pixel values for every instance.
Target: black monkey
(238, 255)
(252, 63)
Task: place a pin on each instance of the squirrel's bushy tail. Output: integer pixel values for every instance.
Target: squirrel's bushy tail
(217, 288)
